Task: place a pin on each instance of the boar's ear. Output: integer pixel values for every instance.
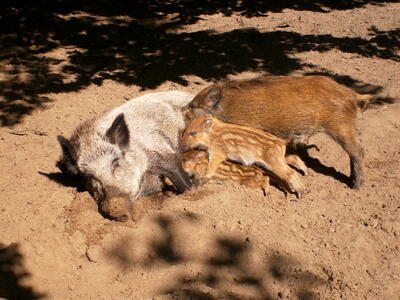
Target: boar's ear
(118, 132)
(213, 97)
(67, 163)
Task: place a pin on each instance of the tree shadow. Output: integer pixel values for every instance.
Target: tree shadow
(316, 165)
(12, 273)
(164, 248)
(66, 179)
(226, 269)
(64, 46)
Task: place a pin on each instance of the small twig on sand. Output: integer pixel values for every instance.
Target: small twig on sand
(25, 132)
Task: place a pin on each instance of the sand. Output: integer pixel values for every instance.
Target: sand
(60, 65)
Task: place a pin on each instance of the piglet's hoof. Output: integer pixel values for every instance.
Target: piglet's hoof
(302, 192)
(116, 209)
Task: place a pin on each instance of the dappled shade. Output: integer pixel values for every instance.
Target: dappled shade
(64, 46)
(12, 273)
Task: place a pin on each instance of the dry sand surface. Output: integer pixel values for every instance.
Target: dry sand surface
(63, 64)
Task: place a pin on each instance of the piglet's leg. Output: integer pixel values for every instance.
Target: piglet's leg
(296, 162)
(266, 188)
(289, 177)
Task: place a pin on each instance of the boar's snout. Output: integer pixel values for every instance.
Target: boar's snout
(110, 206)
(117, 208)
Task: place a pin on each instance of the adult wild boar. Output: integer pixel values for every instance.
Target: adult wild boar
(124, 153)
(289, 107)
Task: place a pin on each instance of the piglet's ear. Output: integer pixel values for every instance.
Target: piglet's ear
(118, 132)
(213, 97)
(207, 124)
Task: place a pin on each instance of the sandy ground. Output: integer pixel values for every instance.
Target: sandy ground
(218, 241)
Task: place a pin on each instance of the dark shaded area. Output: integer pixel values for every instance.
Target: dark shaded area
(226, 271)
(165, 249)
(66, 179)
(286, 269)
(136, 42)
(162, 250)
(317, 166)
(12, 272)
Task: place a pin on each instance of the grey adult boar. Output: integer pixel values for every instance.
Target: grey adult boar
(124, 153)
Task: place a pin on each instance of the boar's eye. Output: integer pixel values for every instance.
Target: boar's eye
(116, 168)
(114, 163)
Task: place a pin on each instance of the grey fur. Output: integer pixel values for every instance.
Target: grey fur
(124, 152)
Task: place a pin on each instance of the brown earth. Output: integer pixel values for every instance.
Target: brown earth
(62, 65)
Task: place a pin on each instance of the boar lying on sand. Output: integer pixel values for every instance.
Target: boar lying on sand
(288, 107)
(248, 146)
(125, 152)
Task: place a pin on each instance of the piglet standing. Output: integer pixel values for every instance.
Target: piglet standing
(124, 153)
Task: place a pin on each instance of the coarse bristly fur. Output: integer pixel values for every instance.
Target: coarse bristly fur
(248, 146)
(293, 108)
(125, 152)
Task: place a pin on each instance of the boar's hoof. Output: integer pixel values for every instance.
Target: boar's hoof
(356, 179)
(355, 184)
(116, 209)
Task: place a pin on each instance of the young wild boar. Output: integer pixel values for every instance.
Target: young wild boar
(291, 108)
(245, 145)
(195, 163)
(123, 153)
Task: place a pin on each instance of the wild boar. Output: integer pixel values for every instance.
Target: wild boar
(124, 153)
(248, 146)
(195, 163)
(289, 107)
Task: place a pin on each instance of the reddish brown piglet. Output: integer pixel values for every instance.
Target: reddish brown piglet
(288, 107)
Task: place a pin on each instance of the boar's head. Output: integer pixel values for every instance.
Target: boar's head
(110, 168)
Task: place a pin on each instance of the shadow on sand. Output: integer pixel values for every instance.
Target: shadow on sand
(64, 46)
(12, 273)
(224, 271)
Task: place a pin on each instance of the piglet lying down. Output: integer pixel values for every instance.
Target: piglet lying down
(124, 153)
